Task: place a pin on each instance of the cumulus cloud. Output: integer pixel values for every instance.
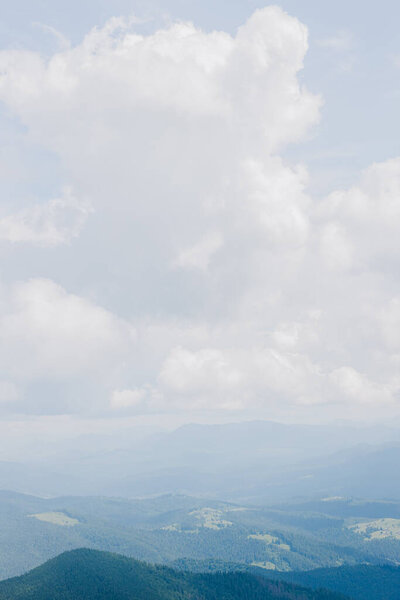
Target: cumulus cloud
(199, 255)
(204, 374)
(362, 222)
(127, 398)
(179, 69)
(56, 222)
(357, 387)
(238, 379)
(48, 333)
(245, 292)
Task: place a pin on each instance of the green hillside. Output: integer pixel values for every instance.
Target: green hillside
(181, 528)
(91, 575)
(361, 582)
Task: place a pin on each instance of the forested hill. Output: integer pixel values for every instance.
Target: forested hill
(361, 582)
(93, 575)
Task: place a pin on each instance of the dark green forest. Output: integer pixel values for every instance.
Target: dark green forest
(92, 575)
(361, 582)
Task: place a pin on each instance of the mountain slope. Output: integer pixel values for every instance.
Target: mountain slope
(169, 528)
(361, 582)
(92, 575)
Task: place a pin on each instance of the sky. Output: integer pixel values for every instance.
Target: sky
(200, 213)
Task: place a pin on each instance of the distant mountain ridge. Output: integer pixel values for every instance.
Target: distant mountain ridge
(256, 462)
(91, 575)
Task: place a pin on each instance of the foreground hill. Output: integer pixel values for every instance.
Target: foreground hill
(92, 575)
(361, 582)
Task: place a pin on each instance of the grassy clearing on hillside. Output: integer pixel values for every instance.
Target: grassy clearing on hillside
(211, 518)
(269, 540)
(56, 518)
(378, 529)
(270, 566)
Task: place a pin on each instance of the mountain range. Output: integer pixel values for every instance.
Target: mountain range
(252, 462)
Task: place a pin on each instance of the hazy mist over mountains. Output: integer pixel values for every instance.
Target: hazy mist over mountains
(255, 461)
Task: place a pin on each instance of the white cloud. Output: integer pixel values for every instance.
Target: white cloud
(362, 227)
(293, 336)
(274, 299)
(390, 323)
(127, 398)
(199, 255)
(260, 377)
(336, 247)
(236, 379)
(276, 201)
(51, 224)
(355, 386)
(205, 374)
(179, 69)
(49, 334)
